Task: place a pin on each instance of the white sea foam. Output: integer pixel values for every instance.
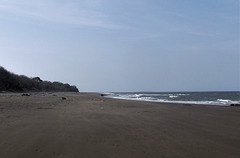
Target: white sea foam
(224, 100)
(138, 95)
(172, 98)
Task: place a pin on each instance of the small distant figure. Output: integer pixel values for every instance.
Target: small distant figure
(63, 98)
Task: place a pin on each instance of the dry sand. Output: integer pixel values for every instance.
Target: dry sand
(86, 125)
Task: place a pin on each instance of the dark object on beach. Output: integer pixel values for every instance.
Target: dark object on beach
(235, 105)
(44, 108)
(26, 94)
(63, 98)
(102, 95)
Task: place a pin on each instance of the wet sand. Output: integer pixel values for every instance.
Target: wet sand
(87, 125)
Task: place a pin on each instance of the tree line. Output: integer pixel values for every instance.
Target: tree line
(19, 83)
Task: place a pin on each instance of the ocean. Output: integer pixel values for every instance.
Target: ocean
(207, 98)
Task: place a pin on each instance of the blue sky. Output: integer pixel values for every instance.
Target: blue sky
(113, 45)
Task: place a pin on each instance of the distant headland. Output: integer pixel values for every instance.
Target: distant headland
(11, 82)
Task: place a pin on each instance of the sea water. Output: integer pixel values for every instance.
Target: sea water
(208, 98)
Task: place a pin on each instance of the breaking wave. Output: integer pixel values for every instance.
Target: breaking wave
(207, 98)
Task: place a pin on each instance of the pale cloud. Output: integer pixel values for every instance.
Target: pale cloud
(81, 13)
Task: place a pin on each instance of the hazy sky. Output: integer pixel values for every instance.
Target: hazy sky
(124, 45)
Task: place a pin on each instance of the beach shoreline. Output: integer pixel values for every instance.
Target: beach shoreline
(221, 98)
(90, 125)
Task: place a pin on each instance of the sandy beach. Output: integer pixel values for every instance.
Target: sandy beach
(87, 125)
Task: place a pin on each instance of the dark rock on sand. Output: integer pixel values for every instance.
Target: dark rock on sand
(235, 105)
(26, 94)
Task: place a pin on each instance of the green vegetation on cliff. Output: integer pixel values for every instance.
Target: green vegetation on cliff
(20, 83)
